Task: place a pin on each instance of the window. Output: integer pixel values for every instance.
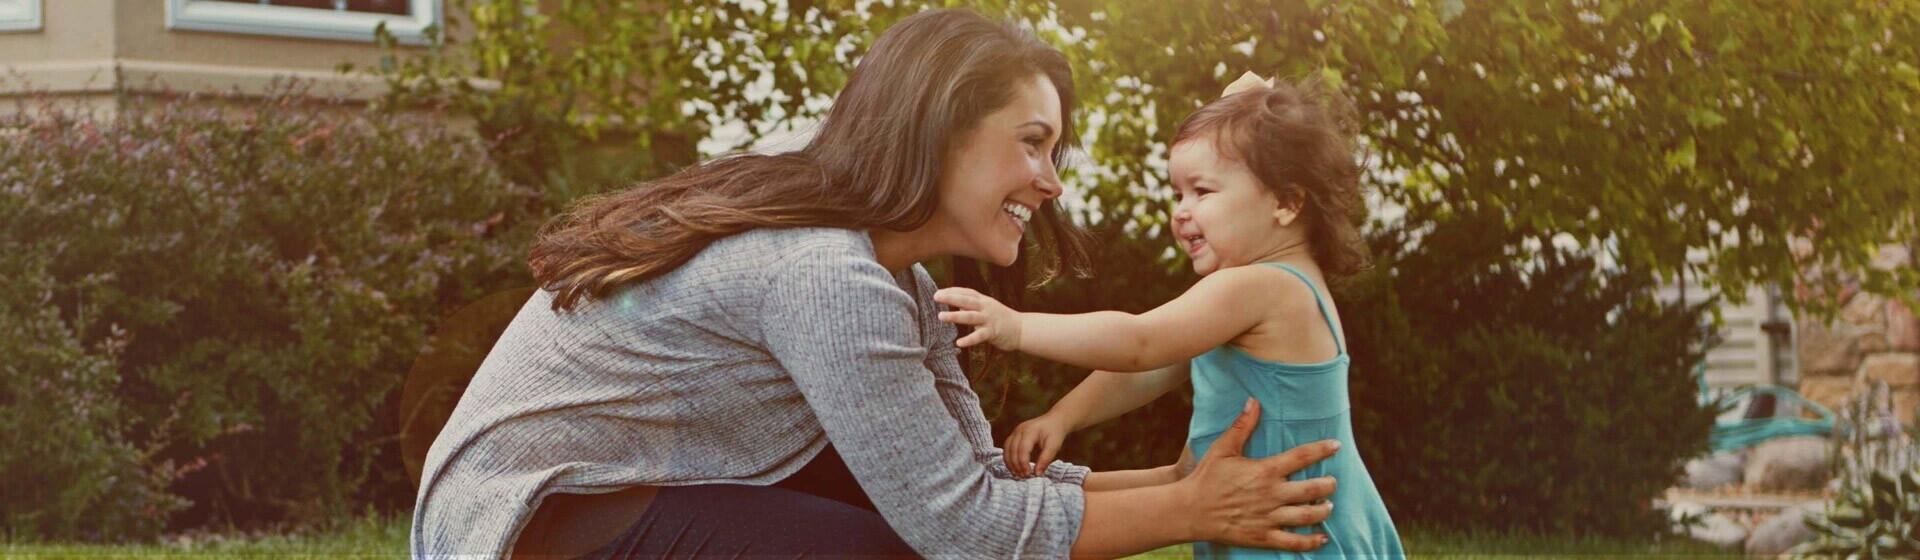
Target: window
(19, 15)
(347, 20)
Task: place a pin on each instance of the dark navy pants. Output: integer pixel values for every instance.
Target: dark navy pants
(725, 520)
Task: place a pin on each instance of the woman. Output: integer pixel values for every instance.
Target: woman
(744, 358)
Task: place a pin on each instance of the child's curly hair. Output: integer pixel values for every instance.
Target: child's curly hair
(1295, 139)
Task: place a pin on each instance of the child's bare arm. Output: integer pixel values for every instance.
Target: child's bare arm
(1102, 396)
(1105, 394)
(1214, 311)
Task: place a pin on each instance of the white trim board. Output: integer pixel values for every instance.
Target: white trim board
(311, 23)
(20, 15)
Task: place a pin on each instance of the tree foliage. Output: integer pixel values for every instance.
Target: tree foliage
(1669, 136)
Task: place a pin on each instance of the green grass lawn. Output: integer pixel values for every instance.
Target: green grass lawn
(370, 537)
(387, 538)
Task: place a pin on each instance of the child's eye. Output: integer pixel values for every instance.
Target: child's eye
(1035, 141)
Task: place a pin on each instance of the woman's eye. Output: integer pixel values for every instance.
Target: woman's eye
(1035, 141)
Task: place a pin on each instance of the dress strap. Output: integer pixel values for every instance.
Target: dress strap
(1338, 344)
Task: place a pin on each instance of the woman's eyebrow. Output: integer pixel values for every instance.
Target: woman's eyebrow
(1041, 124)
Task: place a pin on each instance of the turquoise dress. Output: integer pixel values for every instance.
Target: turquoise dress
(1299, 403)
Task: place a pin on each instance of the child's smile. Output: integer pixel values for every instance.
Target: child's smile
(1222, 216)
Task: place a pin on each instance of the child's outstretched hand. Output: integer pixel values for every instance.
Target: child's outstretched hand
(1046, 432)
(992, 322)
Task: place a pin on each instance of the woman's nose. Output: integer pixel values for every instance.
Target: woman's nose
(1048, 180)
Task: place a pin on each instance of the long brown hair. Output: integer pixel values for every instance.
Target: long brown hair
(876, 163)
(1294, 137)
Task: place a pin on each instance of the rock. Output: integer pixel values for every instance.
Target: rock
(1903, 329)
(1905, 402)
(1788, 463)
(1708, 526)
(1903, 326)
(1714, 471)
(1864, 310)
(1826, 349)
(1828, 390)
(1898, 370)
(1783, 531)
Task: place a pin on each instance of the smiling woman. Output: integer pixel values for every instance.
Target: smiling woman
(746, 355)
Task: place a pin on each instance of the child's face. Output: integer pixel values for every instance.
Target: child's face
(1222, 216)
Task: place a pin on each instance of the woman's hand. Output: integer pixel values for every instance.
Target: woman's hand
(1250, 502)
(1046, 432)
(992, 322)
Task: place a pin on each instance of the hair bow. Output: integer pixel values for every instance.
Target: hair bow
(1246, 82)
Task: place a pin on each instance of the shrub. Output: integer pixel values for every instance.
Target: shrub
(1543, 395)
(263, 271)
(71, 472)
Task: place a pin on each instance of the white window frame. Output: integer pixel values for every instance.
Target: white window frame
(311, 23)
(19, 15)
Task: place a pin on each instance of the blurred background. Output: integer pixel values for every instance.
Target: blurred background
(1643, 275)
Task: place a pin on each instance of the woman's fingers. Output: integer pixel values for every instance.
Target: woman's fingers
(1297, 458)
(1234, 439)
(1303, 515)
(1284, 540)
(1307, 491)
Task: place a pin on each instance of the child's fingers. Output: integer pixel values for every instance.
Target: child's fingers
(956, 296)
(1015, 453)
(1050, 447)
(1025, 455)
(978, 336)
(963, 317)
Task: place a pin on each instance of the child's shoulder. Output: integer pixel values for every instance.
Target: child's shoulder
(1260, 284)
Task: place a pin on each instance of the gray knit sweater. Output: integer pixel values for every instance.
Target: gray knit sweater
(738, 367)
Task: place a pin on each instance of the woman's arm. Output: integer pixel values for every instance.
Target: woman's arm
(1216, 309)
(847, 334)
(1122, 480)
(956, 391)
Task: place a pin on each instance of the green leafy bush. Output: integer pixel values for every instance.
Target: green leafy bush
(262, 273)
(1500, 392)
(71, 471)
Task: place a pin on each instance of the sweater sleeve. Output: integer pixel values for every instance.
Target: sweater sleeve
(957, 392)
(836, 321)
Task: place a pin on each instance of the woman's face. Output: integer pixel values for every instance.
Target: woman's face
(997, 175)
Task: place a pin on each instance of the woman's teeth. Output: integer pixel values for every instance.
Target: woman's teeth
(1020, 213)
